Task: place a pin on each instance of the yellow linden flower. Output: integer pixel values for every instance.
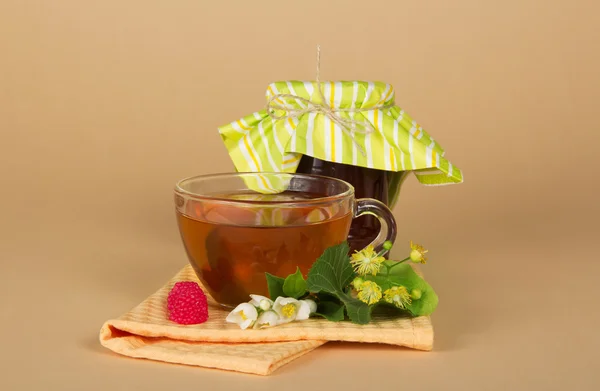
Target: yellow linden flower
(417, 253)
(366, 261)
(369, 292)
(398, 296)
(357, 283)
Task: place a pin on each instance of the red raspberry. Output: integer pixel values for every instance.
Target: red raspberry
(187, 303)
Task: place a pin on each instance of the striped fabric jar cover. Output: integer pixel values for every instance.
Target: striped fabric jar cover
(259, 143)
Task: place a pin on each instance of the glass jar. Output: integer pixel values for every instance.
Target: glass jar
(368, 183)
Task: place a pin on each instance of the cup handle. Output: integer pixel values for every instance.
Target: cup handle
(373, 207)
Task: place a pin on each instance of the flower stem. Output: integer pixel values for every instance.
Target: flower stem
(387, 269)
(396, 264)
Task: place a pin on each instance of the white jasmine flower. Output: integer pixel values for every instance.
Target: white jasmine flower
(312, 305)
(262, 302)
(267, 319)
(307, 307)
(287, 308)
(244, 315)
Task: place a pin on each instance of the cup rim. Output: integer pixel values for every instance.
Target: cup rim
(179, 190)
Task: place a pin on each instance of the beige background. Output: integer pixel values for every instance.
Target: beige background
(105, 104)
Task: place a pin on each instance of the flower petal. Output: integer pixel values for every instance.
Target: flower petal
(243, 314)
(249, 310)
(267, 319)
(246, 323)
(256, 299)
(282, 302)
(277, 302)
(284, 320)
(303, 311)
(288, 300)
(311, 304)
(233, 317)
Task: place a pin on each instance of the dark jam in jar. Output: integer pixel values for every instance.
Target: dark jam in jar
(368, 183)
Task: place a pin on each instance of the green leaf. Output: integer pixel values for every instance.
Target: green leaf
(332, 271)
(294, 285)
(358, 312)
(275, 285)
(330, 310)
(405, 275)
(324, 296)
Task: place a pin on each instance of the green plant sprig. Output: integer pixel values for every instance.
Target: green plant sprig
(353, 286)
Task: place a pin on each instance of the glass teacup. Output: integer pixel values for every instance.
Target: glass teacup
(237, 226)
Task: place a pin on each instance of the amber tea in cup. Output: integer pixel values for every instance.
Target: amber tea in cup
(235, 227)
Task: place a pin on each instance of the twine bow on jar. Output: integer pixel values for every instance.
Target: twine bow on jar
(347, 125)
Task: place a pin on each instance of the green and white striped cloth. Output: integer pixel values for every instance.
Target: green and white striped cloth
(259, 143)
